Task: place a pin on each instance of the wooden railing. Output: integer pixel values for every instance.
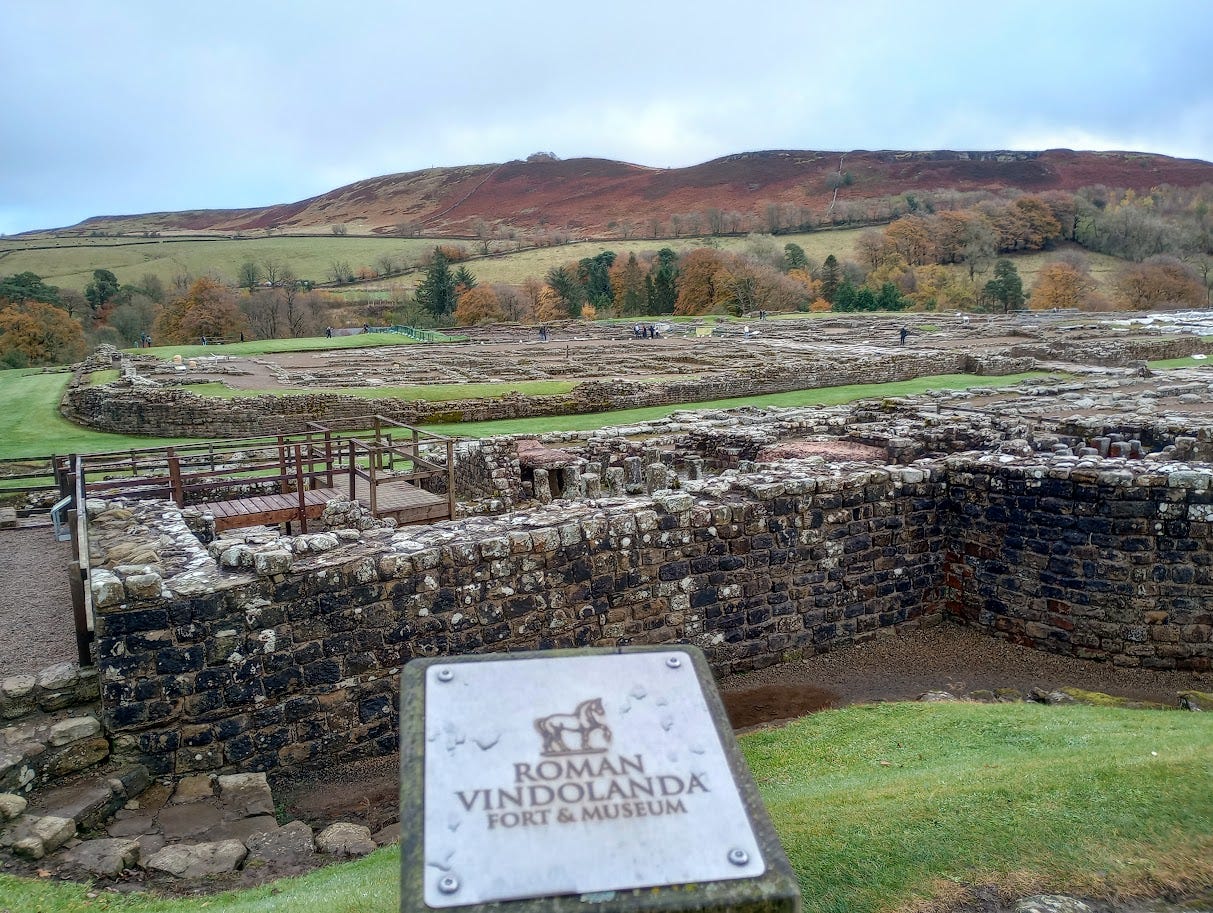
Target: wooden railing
(380, 452)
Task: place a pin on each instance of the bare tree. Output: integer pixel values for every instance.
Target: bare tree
(512, 305)
(263, 311)
(385, 264)
(273, 271)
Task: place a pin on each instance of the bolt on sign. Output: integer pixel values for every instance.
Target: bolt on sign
(580, 780)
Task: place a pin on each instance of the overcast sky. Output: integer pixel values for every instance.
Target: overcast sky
(129, 106)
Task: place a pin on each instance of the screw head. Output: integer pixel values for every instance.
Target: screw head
(673, 662)
(738, 856)
(448, 884)
(445, 675)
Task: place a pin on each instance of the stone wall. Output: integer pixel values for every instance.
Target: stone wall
(291, 657)
(132, 409)
(1110, 352)
(1098, 559)
(259, 652)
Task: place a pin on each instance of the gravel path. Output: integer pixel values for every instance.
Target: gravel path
(36, 627)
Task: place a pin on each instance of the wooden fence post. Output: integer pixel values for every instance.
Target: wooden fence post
(450, 480)
(174, 478)
(300, 490)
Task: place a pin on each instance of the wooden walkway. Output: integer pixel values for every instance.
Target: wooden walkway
(400, 500)
(267, 510)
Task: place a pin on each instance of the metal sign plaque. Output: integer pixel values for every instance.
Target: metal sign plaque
(576, 775)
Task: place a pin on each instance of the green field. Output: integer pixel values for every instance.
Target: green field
(515, 268)
(885, 806)
(301, 344)
(70, 262)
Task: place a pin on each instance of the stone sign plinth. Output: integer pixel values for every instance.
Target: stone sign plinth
(586, 780)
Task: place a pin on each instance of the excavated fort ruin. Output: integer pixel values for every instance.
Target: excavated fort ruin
(1071, 513)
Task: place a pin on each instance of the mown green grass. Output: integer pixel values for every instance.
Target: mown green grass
(1164, 364)
(884, 805)
(31, 426)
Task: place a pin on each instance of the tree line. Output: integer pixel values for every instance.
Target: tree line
(940, 251)
(41, 324)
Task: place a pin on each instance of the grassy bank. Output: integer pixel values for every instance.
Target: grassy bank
(882, 806)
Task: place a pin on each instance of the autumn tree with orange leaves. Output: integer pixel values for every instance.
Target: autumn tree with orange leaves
(1064, 285)
(1159, 282)
(478, 305)
(207, 310)
(34, 333)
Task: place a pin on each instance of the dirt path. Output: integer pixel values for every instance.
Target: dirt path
(36, 627)
(944, 658)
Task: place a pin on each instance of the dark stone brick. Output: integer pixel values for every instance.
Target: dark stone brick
(675, 570)
(174, 660)
(322, 672)
(374, 708)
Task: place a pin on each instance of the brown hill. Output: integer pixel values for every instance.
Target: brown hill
(595, 197)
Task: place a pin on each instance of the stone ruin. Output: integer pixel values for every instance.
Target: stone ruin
(1069, 514)
(258, 652)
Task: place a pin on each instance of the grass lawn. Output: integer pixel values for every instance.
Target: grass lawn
(883, 805)
(31, 426)
(1189, 362)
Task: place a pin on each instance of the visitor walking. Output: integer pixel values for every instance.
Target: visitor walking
(904, 333)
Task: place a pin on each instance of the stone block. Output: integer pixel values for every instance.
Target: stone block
(17, 696)
(87, 803)
(144, 586)
(345, 839)
(59, 677)
(107, 588)
(288, 845)
(270, 564)
(246, 794)
(51, 831)
(79, 755)
(198, 860)
(11, 806)
(106, 857)
(74, 729)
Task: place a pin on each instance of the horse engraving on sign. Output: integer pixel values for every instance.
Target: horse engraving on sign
(587, 773)
(586, 720)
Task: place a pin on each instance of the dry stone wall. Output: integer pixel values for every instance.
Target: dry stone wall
(1100, 559)
(134, 409)
(291, 657)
